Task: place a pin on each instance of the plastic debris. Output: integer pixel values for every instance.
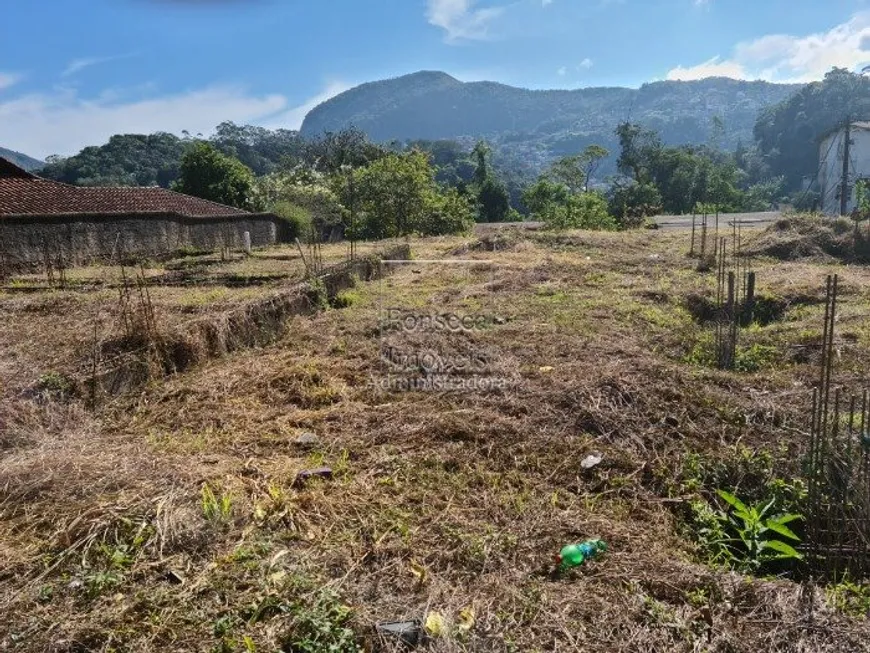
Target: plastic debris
(409, 633)
(591, 461)
(575, 555)
(305, 474)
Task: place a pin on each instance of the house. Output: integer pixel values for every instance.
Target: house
(832, 150)
(44, 220)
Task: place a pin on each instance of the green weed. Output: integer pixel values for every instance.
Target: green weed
(746, 537)
(849, 598)
(216, 508)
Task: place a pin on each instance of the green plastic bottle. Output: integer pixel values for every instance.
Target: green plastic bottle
(575, 555)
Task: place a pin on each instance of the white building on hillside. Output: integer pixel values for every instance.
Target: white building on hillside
(831, 153)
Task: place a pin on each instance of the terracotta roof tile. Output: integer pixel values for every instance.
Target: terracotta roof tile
(22, 193)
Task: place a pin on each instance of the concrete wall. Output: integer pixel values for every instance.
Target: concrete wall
(831, 168)
(24, 240)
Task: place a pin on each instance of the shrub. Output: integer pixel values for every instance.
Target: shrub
(448, 212)
(298, 219)
(631, 204)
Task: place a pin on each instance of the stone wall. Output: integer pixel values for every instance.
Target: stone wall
(26, 241)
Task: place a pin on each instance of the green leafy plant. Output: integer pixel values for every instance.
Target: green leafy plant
(754, 358)
(318, 294)
(56, 384)
(321, 623)
(100, 582)
(749, 537)
(849, 598)
(216, 508)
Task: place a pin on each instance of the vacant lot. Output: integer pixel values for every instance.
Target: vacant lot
(174, 519)
(50, 323)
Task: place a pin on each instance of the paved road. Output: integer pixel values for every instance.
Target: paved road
(725, 219)
(748, 220)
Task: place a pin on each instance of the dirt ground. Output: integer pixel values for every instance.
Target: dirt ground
(176, 520)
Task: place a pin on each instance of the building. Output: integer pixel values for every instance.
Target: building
(44, 220)
(832, 150)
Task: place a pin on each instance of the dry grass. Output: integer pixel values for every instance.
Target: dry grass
(438, 502)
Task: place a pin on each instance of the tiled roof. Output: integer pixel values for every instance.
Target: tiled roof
(22, 193)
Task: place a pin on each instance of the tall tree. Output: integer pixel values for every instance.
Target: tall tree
(568, 171)
(349, 147)
(639, 148)
(481, 154)
(208, 174)
(591, 159)
(493, 201)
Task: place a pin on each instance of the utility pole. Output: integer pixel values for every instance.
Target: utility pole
(847, 152)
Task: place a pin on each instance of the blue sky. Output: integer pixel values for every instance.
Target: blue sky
(73, 72)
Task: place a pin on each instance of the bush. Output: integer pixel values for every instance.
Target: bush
(298, 219)
(632, 204)
(448, 213)
(580, 211)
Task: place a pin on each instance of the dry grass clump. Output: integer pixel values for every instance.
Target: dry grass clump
(800, 236)
(175, 518)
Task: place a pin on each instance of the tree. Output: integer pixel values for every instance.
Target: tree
(788, 133)
(493, 201)
(543, 197)
(260, 149)
(449, 212)
(554, 204)
(208, 174)
(481, 154)
(591, 159)
(349, 147)
(569, 171)
(126, 160)
(639, 148)
(631, 203)
(398, 195)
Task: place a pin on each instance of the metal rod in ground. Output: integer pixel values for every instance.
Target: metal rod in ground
(726, 361)
(704, 236)
(692, 250)
(749, 303)
(812, 526)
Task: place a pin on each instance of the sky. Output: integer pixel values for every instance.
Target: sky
(74, 72)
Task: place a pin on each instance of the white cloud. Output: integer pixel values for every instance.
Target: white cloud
(460, 19)
(63, 122)
(545, 3)
(788, 58)
(586, 64)
(562, 71)
(8, 79)
(715, 67)
(292, 118)
(77, 65)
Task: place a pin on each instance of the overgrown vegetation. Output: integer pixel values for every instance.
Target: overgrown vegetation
(195, 513)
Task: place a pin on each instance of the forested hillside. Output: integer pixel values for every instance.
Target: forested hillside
(154, 159)
(539, 125)
(718, 141)
(788, 133)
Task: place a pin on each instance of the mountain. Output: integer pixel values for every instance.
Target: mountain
(21, 160)
(540, 125)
